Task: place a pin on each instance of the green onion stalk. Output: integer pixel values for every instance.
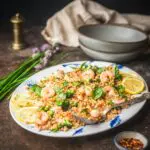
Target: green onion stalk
(12, 80)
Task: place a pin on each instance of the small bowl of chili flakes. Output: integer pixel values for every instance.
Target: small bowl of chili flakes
(130, 140)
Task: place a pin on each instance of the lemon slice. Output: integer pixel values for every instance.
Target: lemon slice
(22, 100)
(124, 75)
(133, 85)
(27, 114)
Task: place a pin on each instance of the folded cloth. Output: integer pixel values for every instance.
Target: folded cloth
(63, 26)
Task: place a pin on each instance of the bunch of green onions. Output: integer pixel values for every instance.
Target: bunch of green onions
(11, 81)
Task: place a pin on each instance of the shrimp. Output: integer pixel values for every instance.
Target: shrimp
(47, 92)
(80, 93)
(80, 97)
(60, 120)
(88, 91)
(95, 113)
(88, 74)
(45, 127)
(106, 76)
(118, 101)
(57, 109)
(60, 74)
(72, 77)
(109, 90)
(84, 91)
(50, 84)
(81, 90)
(42, 119)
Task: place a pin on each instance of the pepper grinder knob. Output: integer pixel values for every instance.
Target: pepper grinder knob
(18, 41)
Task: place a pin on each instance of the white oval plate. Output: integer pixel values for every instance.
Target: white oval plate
(125, 115)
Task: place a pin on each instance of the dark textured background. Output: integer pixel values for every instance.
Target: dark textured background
(37, 11)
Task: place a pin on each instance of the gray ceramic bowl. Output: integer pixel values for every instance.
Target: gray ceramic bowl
(112, 38)
(111, 57)
(129, 134)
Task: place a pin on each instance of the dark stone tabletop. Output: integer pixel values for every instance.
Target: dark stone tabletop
(13, 137)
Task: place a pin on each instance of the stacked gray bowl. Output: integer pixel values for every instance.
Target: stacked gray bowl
(111, 42)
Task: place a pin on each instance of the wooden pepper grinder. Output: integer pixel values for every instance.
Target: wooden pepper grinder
(18, 42)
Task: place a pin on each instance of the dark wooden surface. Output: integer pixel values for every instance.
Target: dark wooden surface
(13, 137)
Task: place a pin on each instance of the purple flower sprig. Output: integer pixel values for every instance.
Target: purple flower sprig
(48, 53)
(45, 47)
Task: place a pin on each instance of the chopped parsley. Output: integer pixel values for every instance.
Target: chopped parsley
(57, 89)
(50, 113)
(110, 102)
(62, 96)
(65, 83)
(85, 110)
(74, 104)
(121, 91)
(55, 129)
(118, 76)
(84, 66)
(44, 108)
(99, 70)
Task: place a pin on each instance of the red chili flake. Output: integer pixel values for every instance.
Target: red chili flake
(131, 143)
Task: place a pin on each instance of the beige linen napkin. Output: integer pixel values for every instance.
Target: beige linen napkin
(63, 26)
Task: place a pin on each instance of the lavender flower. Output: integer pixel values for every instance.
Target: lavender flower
(45, 61)
(38, 67)
(57, 48)
(48, 53)
(35, 50)
(44, 47)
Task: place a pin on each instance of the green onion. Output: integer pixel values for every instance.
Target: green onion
(62, 96)
(12, 76)
(69, 93)
(11, 81)
(63, 103)
(59, 103)
(67, 123)
(76, 83)
(50, 113)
